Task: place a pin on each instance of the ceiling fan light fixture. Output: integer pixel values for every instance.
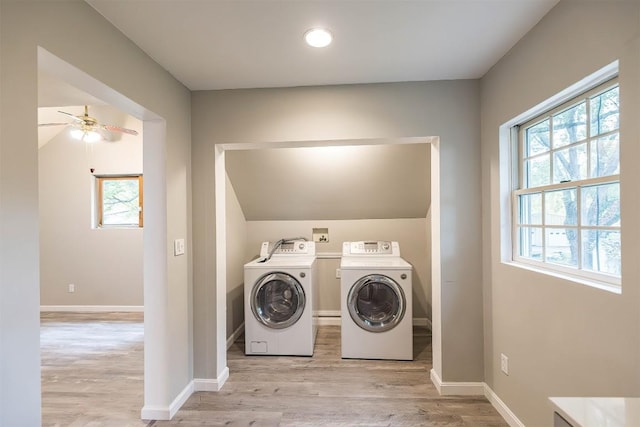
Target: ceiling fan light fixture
(318, 37)
(86, 135)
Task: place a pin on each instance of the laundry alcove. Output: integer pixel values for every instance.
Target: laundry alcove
(358, 189)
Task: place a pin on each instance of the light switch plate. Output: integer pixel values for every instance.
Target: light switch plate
(178, 247)
(504, 363)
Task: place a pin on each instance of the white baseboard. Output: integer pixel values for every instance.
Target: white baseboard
(328, 313)
(328, 317)
(475, 389)
(165, 413)
(207, 384)
(437, 382)
(150, 412)
(180, 399)
(502, 408)
(422, 321)
(235, 335)
(329, 321)
(456, 388)
(93, 308)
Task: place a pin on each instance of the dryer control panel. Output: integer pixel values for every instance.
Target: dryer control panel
(296, 247)
(371, 248)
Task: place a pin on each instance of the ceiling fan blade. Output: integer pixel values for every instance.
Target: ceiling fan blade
(106, 135)
(76, 118)
(54, 124)
(119, 129)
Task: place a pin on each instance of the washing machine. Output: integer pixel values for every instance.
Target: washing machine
(281, 300)
(376, 297)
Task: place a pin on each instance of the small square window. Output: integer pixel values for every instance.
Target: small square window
(119, 201)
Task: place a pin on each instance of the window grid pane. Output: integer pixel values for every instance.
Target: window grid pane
(570, 164)
(601, 251)
(538, 139)
(530, 242)
(531, 209)
(561, 207)
(561, 246)
(605, 156)
(538, 171)
(600, 205)
(570, 126)
(605, 112)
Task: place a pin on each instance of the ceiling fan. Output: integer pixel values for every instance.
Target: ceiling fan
(88, 129)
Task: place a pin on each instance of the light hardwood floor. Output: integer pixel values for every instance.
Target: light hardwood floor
(92, 373)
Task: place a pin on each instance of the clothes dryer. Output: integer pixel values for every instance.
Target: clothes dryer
(281, 298)
(376, 298)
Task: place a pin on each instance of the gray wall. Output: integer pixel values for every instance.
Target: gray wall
(105, 265)
(347, 182)
(448, 109)
(75, 32)
(562, 338)
(236, 258)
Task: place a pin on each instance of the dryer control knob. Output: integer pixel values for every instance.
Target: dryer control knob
(303, 274)
(403, 276)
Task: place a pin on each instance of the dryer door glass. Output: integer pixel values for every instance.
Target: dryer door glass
(277, 300)
(376, 303)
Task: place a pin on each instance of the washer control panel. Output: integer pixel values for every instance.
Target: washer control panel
(369, 248)
(297, 247)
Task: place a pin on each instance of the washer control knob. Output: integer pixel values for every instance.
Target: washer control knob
(385, 246)
(301, 246)
(403, 276)
(303, 274)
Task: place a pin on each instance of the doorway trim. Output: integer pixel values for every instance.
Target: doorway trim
(220, 227)
(156, 345)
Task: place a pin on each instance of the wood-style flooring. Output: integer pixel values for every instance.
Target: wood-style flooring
(92, 375)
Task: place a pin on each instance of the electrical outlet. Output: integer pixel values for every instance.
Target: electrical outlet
(338, 273)
(504, 363)
(71, 288)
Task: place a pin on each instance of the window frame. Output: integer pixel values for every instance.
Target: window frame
(100, 179)
(518, 136)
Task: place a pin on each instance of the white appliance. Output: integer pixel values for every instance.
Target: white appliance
(376, 288)
(281, 298)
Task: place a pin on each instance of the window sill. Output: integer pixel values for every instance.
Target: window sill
(604, 286)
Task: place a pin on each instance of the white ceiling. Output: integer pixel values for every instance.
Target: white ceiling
(227, 44)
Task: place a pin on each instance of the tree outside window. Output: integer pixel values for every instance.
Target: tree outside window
(119, 201)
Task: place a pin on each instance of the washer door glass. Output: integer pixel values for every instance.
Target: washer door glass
(376, 303)
(277, 300)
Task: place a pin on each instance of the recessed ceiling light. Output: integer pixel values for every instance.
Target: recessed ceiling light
(318, 37)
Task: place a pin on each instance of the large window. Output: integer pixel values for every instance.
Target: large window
(567, 205)
(119, 201)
